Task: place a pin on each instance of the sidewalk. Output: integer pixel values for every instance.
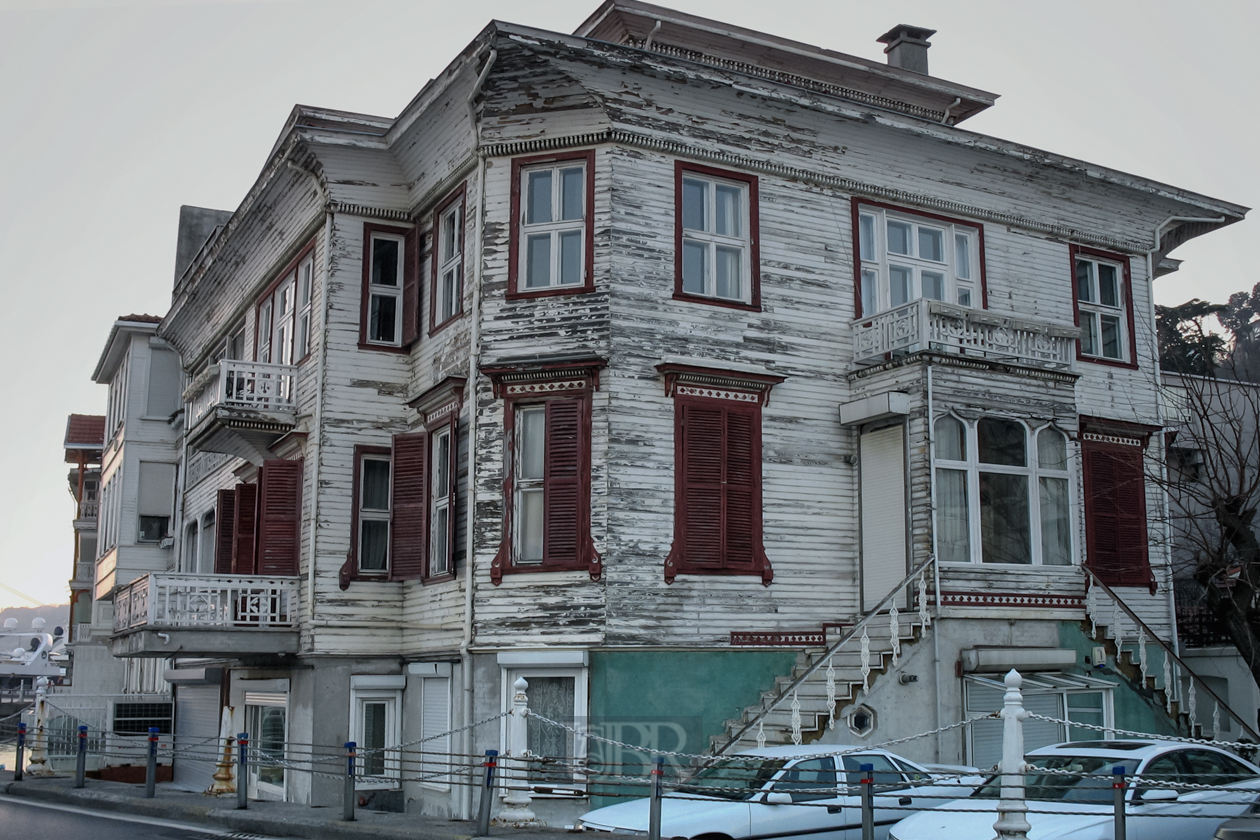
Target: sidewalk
(276, 819)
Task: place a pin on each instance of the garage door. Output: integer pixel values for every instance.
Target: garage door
(196, 721)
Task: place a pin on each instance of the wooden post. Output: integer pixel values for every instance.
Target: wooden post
(516, 804)
(1011, 823)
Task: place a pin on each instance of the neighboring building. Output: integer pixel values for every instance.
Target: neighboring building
(85, 438)
(541, 378)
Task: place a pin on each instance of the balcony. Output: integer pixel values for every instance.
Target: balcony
(241, 408)
(933, 326)
(164, 614)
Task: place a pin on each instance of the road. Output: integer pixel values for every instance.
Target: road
(23, 818)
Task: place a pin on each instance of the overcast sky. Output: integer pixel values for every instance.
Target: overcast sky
(113, 114)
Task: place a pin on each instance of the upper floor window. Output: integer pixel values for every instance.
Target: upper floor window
(1002, 493)
(1104, 311)
(1116, 527)
(284, 316)
(716, 229)
(390, 303)
(448, 260)
(373, 509)
(441, 495)
(906, 256)
(552, 198)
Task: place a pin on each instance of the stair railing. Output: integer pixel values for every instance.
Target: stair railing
(918, 576)
(1144, 632)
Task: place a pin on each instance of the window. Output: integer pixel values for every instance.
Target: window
(155, 501)
(284, 316)
(305, 294)
(376, 728)
(1070, 697)
(716, 230)
(190, 548)
(1104, 311)
(136, 718)
(998, 499)
(1115, 504)
(557, 693)
(206, 545)
(117, 411)
(266, 721)
(372, 509)
(904, 256)
(390, 308)
(448, 260)
(552, 243)
(441, 495)
(806, 780)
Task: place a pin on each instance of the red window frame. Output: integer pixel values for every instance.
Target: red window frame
(1114, 483)
(455, 196)
(410, 299)
(1127, 287)
(519, 165)
(754, 235)
(290, 268)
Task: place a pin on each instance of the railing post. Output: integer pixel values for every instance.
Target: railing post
(518, 799)
(487, 794)
(347, 793)
(150, 770)
(654, 811)
(21, 752)
(80, 765)
(868, 801)
(1011, 823)
(242, 771)
(39, 744)
(1120, 832)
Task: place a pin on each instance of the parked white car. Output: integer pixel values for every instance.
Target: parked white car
(1082, 807)
(792, 791)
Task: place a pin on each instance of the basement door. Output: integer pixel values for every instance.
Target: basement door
(883, 499)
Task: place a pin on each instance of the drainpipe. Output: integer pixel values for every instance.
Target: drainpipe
(474, 355)
(936, 631)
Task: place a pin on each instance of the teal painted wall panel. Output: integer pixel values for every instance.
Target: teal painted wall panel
(1135, 708)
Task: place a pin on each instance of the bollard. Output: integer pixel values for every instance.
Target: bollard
(150, 772)
(347, 797)
(80, 767)
(516, 811)
(1120, 832)
(242, 768)
(487, 794)
(1011, 823)
(21, 750)
(654, 813)
(868, 801)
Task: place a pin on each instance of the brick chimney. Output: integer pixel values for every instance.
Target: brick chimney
(907, 47)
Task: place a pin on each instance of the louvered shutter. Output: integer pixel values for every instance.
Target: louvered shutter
(279, 517)
(410, 507)
(411, 286)
(703, 432)
(1116, 515)
(244, 529)
(742, 471)
(562, 484)
(224, 521)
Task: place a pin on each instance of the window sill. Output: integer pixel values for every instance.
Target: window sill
(550, 291)
(1102, 360)
(437, 328)
(426, 581)
(1072, 570)
(384, 348)
(713, 301)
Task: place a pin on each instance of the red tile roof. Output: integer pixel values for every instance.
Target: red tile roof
(84, 431)
(143, 319)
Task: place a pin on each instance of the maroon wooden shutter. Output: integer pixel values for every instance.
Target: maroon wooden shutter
(244, 527)
(279, 517)
(411, 286)
(701, 507)
(407, 544)
(224, 520)
(743, 470)
(562, 484)
(1115, 511)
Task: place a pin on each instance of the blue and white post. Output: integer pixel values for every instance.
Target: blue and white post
(1011, 823)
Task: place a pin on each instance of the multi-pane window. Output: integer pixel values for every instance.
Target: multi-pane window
(531, 443)
(375, 728)
(1102, 308)
(385, 289)
(284, 319)
(374, 509)
(448, 262)
(305, 293)
(553, 226)
(440, 503)
(716, 242)
(906, 257)
(1002, 493)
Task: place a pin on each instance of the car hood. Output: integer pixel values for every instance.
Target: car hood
(680, 814)
(967, 819)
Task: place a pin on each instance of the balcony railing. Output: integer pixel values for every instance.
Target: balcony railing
(932, 325)
(85, 570)
(89, 508)
(235, 384)
(206, 602)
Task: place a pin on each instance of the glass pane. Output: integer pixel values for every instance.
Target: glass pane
(531, 526)
(531, 430)
(932, 244)
(962, 256)
(373, 550)
(381, 319)
(953, 535)
(438, 560)
(304, 287)
(373, 739)
(450, 293)
(269, 743)
(385, 262)
(730, 274)
(933, 285)
(1005, 535)
(571, 200)
(806, 780)
(1051, 449)
(450, 233)
(695, 259)
(951, 439)
(1110, 336)
(695, 204)
(1108, 285)
(1089, 334)
(1056, 534)
(1000, 442)
(538, 198)
(553, 698)
(899, 284)
(538, 261)
(571, 258)
(866, 238)
(898, 238)
(728, 210)
(375, 492)
(1085, 281)
(442, 466)
(870, 292)
(964, 297)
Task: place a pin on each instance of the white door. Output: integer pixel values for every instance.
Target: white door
(267, 727)
(883, 466)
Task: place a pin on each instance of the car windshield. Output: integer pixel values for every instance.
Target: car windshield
(733, 778)
(1072, 778)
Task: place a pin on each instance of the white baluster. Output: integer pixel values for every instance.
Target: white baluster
(796, 719)
(1117, 628)
(1216, 721)
(1191, 704)
(831, 694)
(1168, 682)
(761, 734)
(866, 662)
(894, 630)
(1142, 653)
(925, 616)
(1091, 609)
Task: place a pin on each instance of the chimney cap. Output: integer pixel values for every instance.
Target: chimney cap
(906, 32)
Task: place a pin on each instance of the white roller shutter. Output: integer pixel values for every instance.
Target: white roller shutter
(196, 719)
(157, 489)
(883, 513)
(435, 719)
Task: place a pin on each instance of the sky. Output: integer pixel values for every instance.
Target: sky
(113, 113)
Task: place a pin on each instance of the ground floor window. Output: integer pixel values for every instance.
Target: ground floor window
(1078, 699)
(376, 728)
(559, 694)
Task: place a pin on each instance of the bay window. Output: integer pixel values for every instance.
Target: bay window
(905, 256)
(551, 237)
(1104, 310)
(716, 235)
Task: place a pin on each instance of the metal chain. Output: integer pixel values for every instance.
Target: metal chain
(1242, 745)
(481, 722)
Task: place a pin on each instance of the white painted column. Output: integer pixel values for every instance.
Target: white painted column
(516, 804)
(1011, 823)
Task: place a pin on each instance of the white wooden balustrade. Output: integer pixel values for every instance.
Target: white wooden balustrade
(237, 384)
(942, 327)
(207, 602)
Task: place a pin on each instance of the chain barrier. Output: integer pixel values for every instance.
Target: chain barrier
(1241, 745)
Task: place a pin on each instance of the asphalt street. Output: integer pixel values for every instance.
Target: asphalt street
(22, 818)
